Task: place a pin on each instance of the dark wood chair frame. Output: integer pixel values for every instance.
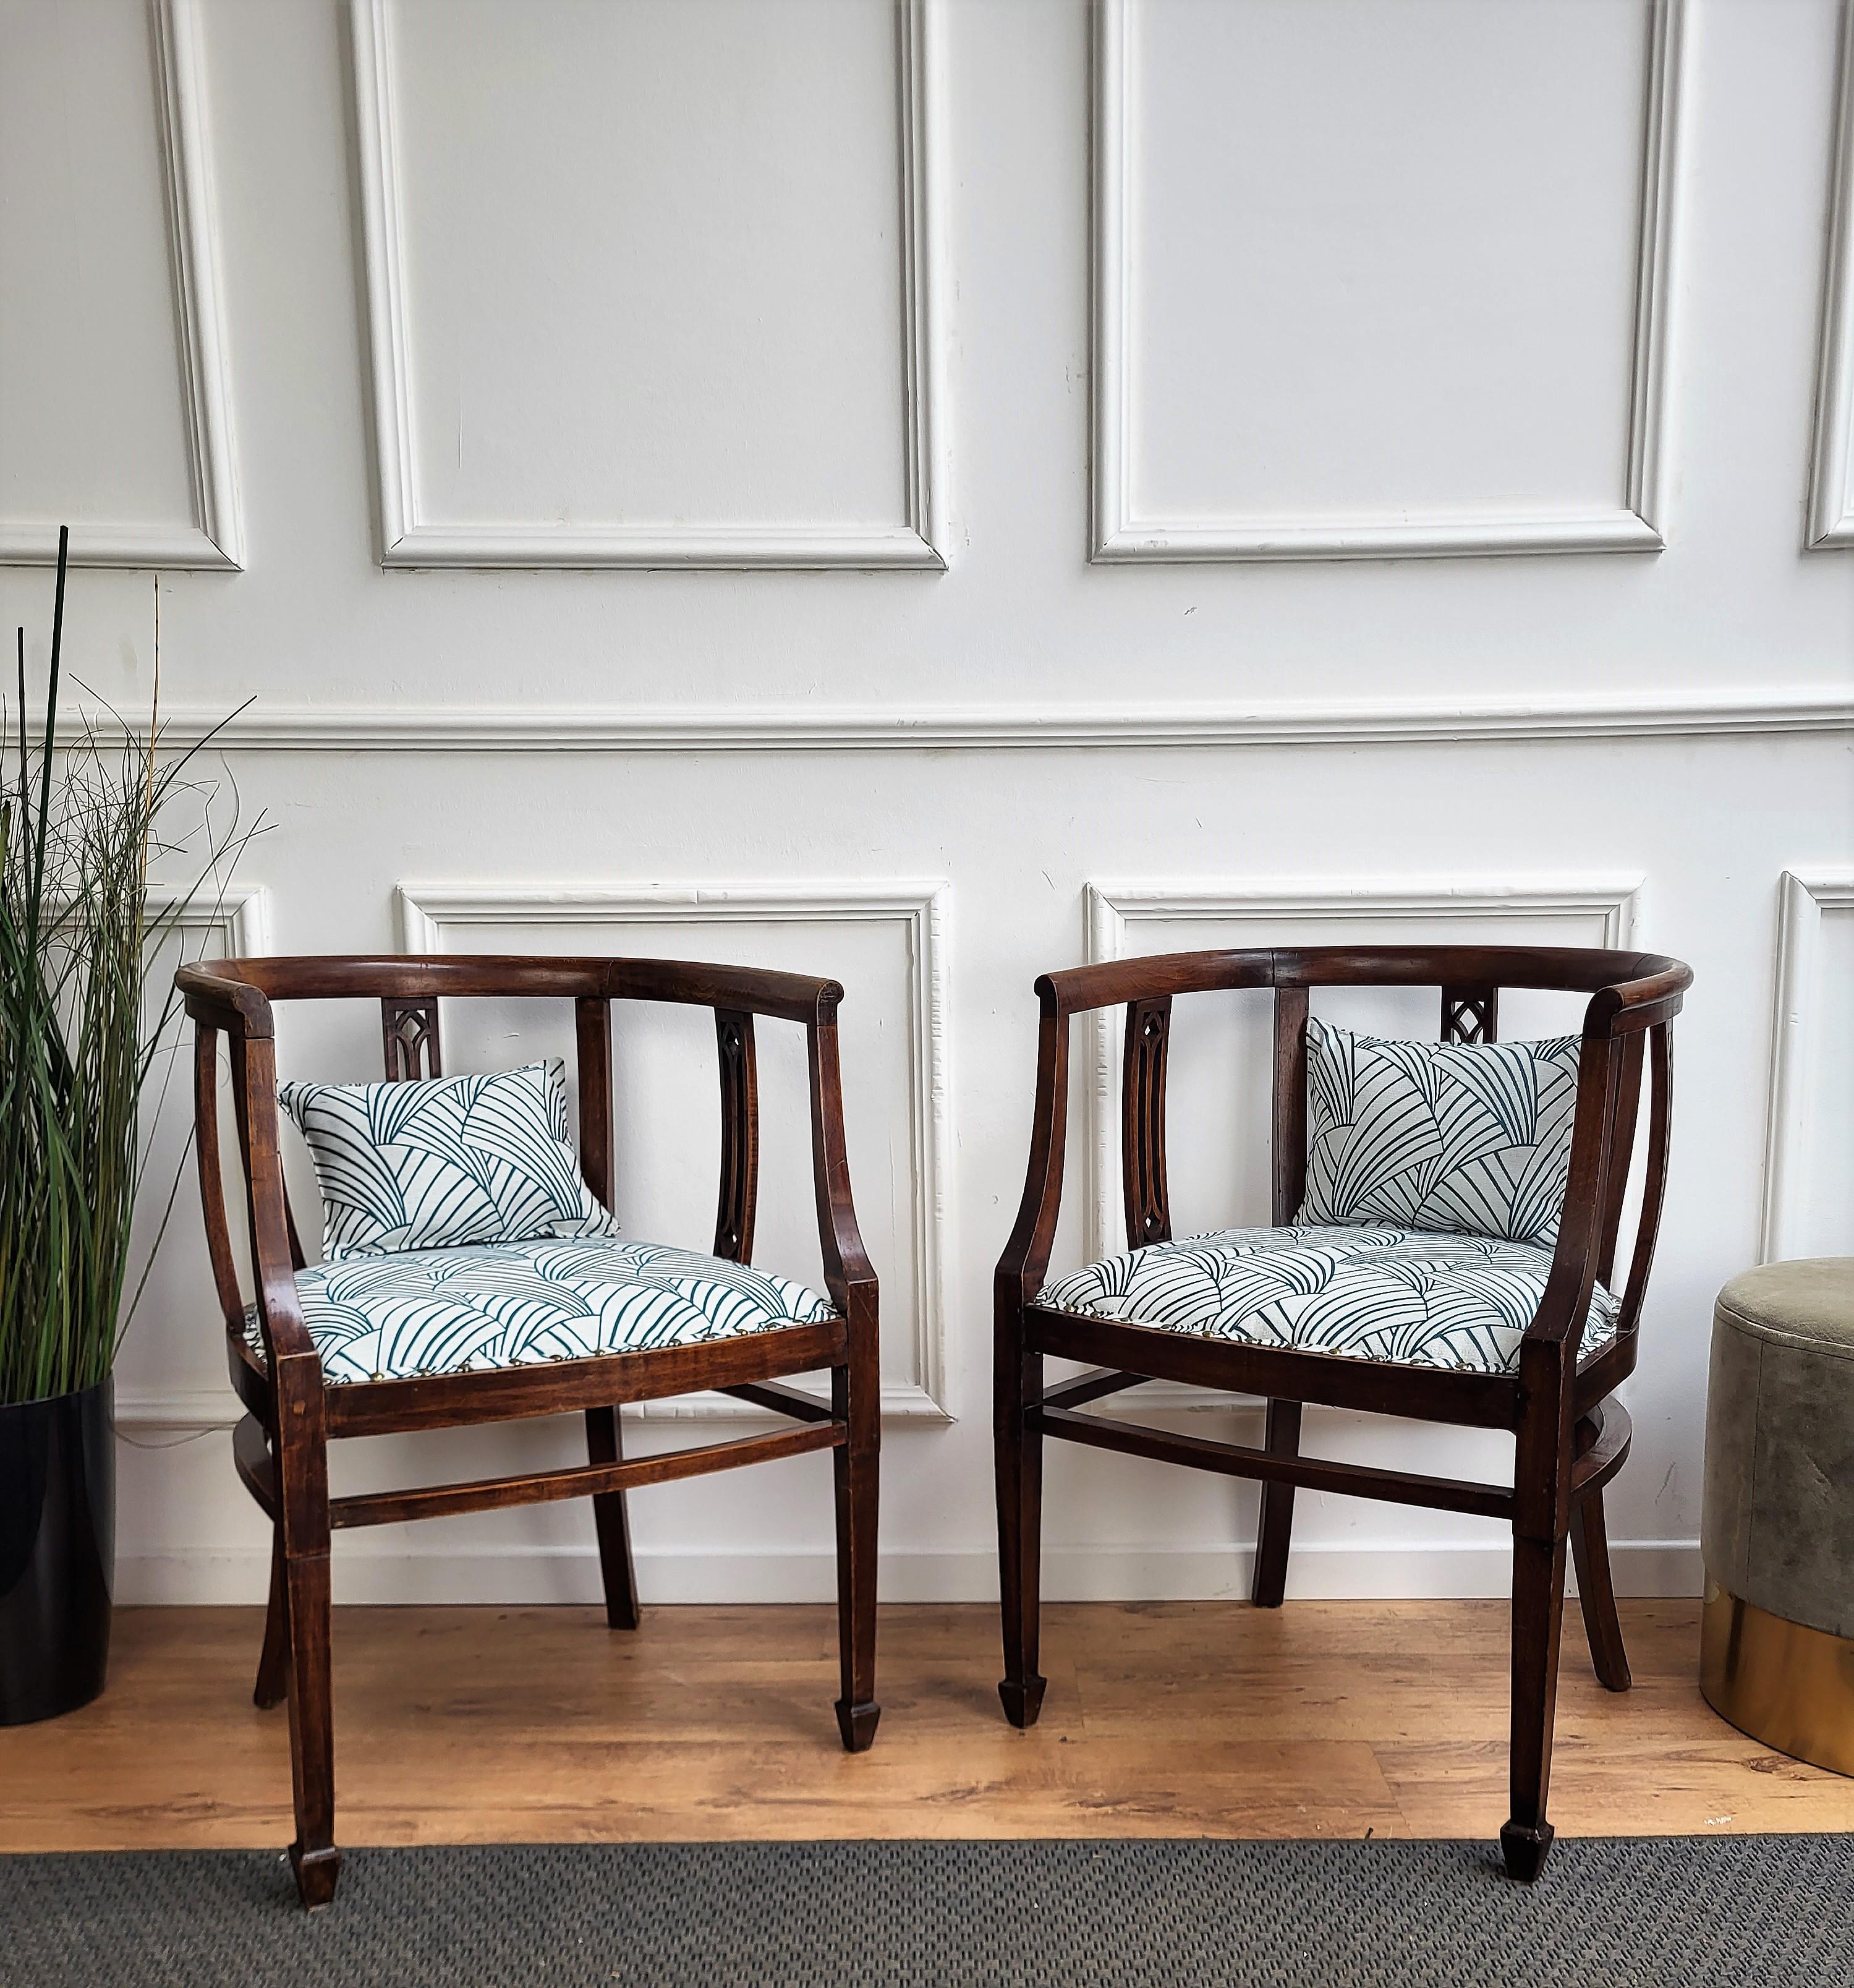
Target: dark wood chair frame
(280, 1447)
(1572, 1437)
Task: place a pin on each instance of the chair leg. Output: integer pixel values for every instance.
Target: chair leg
(302, 1526)
(1282, 1438)
(1538, 1596)
(313, 1856)
(1596, 1592)
(1019, 1383)
(273, 1665)
(604, 1444)
(857, 1399)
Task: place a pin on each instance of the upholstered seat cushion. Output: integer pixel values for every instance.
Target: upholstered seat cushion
(1409, 1297)
(516, 1304)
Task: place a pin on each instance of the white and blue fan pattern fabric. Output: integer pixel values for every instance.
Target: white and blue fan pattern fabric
(517, 1304)
(1406, 1297)
(440, 1162)
(1465, 1138)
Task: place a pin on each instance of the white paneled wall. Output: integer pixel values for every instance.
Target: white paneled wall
(1293, 361)
(1832, 505)
(111, 316)
(1809, 1182)
(686, 336)
(929, 493)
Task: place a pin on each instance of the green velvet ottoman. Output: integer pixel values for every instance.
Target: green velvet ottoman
(1777, 1529)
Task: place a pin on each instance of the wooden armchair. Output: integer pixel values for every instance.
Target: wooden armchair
(1571, 1436)
(280, 1447)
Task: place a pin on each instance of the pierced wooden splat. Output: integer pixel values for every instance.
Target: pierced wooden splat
(1149, 1217)
(409, 1034)
(1469, 1014)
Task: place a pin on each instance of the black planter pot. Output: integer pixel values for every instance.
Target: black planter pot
(57, 1551)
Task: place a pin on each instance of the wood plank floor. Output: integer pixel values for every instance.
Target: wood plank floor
(481, 1725)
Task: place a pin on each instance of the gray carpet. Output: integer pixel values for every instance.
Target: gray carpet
(1687, 1912)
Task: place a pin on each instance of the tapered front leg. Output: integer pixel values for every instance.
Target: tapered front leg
(1539, 1595)
(273, 1664)
(1018, 1385)
(604, 1444)
(313, 1856)
(1541, 1517)
(303, 1482)
(857, 1399)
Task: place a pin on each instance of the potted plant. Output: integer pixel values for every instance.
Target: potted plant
(79, 825)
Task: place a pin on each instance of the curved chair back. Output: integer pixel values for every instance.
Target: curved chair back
(235, 997)
(1633, 999)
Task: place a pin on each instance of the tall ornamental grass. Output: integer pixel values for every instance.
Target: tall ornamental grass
(79, 826)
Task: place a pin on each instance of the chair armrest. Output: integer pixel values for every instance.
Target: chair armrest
(222, 1001)
(1566, 1301)
(1079, 990)
(288, 1340)
(1025, 1262)
(848, 1276)
(1607, 1076)
(1114, 981)
(1654, 995)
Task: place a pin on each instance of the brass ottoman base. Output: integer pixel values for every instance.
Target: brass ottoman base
(1789, 1686)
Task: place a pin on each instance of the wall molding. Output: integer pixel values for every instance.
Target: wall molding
(410, 538)
(1120, 536)
(1111, 909)
(1831, 513)
(182, 1411)
(263, 726)
(1804, 900)
(536, 1575)
(214, 541)
(429, 912)
(242, 909)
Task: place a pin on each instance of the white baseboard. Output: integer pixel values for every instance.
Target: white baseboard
(1320, 1570)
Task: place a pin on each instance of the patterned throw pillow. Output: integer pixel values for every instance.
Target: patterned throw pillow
(439, 1161)
(1466, 1138)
